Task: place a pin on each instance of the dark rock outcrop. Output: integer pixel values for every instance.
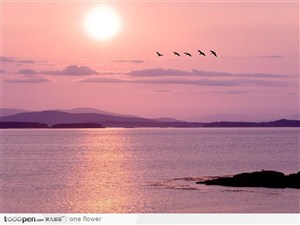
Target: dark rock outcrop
(293, 180)
(269, 179)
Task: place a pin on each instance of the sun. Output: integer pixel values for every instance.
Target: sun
(102, 23)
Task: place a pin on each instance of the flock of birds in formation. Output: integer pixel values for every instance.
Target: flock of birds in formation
(189, 54)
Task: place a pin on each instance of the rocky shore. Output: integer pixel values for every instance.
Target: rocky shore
(264, 178)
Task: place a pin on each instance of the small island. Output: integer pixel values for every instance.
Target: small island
(268, 179)
(22, 125)
(77, 125)
(276, 123)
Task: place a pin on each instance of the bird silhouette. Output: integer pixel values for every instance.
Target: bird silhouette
(186, 53)
(159, 54)
(213, 52)
(176, 53)
(201, 53)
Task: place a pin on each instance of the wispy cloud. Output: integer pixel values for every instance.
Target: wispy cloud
(104, 80)
(72, 70)
(254, 57)
(159, 72)
(234, 92)
(4, 59)
(269, 56)
(162, 91)
(27, 72)
(28, 80)
(75, 70)
(197, 82)
(3, 71)
(26, 61)
(129, 61)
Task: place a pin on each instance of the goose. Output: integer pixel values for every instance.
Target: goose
(213, 52)
(159, 54)
(188, 54)
(201, 53)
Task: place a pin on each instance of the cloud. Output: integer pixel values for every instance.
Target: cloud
(189, 82)
(254, 57)
(128, 61)
(3, 71)
(28, 80)
(4, 59)
(162, 91)
(236, 92)
(72, 70)
(104, 80)
(159, 72)
(26, 61)
(27, 72)
(198, 82)
(233, 92)
(75, 70)
(269, 56)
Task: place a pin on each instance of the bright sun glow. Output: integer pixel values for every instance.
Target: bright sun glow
(102, 23)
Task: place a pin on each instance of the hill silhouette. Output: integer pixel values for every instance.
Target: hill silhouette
(10, 111)
(52, 117)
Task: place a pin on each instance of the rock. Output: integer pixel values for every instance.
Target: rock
(269, 179)
(293, 180)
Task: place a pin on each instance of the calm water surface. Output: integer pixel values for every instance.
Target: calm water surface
(144, 170)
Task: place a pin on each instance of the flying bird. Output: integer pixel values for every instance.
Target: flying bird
(159, 54)
(176, 53)
(188, 54)
(213, 52)
(201, 53)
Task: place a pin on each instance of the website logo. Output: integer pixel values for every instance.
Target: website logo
(19, 219)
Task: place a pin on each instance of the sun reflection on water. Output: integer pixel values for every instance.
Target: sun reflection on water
(101, 177)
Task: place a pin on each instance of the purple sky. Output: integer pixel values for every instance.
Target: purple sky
(49, 61)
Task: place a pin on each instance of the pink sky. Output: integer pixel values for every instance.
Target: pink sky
(256, 73)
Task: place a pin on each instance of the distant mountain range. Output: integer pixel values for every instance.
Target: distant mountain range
(13, 111)
(107, 119)
(92, 110)
(10, 111)
(52, 117)
(229, 117)
(235, 117)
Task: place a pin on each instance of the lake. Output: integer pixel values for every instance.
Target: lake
(144, 170)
